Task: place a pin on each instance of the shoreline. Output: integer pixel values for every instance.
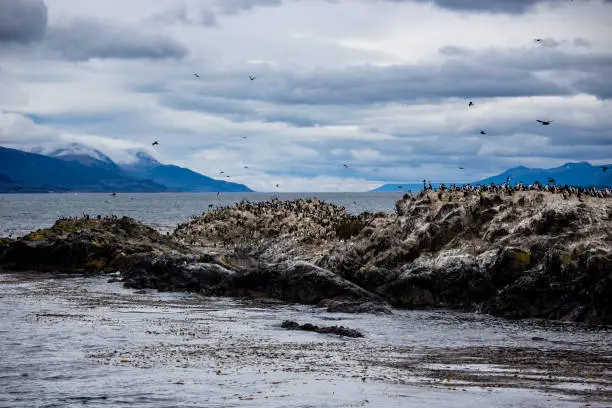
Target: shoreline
(445, 249)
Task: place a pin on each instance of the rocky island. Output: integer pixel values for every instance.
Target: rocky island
(525, 253)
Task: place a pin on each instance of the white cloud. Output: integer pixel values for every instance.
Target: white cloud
(381, 85)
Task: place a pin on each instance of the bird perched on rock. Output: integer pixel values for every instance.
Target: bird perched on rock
(544, 122)
(155, 143)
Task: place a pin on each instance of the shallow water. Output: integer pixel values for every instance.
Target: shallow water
(86, 342)
(22, 213)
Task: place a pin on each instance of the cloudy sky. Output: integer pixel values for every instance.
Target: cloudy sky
(381, 85)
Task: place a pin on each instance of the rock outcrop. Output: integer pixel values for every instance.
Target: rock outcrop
(515, 254)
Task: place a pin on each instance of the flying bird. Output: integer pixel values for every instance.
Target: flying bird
(246, 167)
(155, 143)
(221, 172)
(482, 132)
(604, 168)
(460, 168)
(471, 103)
(551, 180)
(345, 165)
(195, 74)
(544, 122)
(252, 77)
(538, 40)
(244, 137)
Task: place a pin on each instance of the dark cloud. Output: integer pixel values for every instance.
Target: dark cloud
(494, 6)
(493, 73)
(22, 21)
(582, 42)
(236, 6)
(180, 15)
(83, 39)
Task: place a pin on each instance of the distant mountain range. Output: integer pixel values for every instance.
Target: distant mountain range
(78, 168)
(576, 174)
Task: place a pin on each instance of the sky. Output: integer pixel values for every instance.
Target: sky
(380, 85)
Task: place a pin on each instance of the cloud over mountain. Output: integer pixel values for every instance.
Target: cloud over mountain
(380, 85)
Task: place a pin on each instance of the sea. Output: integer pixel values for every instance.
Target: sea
(82, 341)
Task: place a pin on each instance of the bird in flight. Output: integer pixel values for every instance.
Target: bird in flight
(195, 74)
(252, 77)
(482, 132)
(471, 103)
(221, 172)
(155, 143)
(604, 169)
(244, 137)
(345, 166)
(246, 167)
(460, 168)
(544, 122)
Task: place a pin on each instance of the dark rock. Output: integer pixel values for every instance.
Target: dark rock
(338, 330)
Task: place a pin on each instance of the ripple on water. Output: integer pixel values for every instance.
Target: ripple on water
(84, 341)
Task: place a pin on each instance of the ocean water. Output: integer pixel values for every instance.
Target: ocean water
(73, 342)
(22, 213)
(84, 341)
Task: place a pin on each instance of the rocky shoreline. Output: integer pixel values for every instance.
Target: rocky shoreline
(521, 254)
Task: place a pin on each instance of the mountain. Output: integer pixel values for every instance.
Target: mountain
(32, 172)
(79, 153)
(576, 174)
(178, 178)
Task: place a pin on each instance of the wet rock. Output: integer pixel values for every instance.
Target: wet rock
(338, 330)
(339, 306)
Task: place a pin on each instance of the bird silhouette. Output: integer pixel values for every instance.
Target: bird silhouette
(604, 169)
(544, 122)
(195, 74)
(244, 137)
(252, 77)
(221, 172)
(538, 40)
(482, 132)
(345, 166)
(246, 167)
(400, 187)
(155, 143)
(471, 103)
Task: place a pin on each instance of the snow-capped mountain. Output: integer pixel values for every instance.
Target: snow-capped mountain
(79, 153)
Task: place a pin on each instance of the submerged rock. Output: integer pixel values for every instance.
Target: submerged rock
(339, 330)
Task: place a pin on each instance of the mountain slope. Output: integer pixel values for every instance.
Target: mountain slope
(79, 153)
(178, 178)
(35, 173)
(576, 174)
